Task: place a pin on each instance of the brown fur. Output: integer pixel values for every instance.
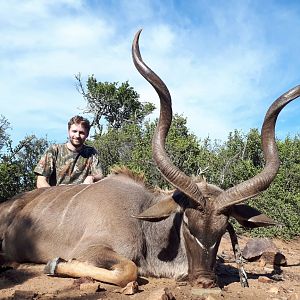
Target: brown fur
(123, 170)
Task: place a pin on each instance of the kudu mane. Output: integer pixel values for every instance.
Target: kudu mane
(140, 179)
(125, 171)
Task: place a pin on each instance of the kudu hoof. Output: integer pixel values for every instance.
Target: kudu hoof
(204, 283)
(51, 265)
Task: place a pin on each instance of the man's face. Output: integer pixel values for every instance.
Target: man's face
(77, 135)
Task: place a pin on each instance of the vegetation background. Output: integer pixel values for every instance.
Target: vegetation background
(122, 134)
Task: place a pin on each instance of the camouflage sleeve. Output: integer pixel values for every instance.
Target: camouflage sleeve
(96, 168)
(46, 164)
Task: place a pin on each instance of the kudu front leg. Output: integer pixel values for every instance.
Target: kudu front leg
(98, 262)
(238, 256)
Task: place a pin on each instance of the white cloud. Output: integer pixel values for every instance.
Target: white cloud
(222, 63)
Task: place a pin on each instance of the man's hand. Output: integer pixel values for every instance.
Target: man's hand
(89, 179)
(41, 181)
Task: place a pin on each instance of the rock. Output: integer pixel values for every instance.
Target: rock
(182, 283)
(264, 279)
(24, 295)
(130, 289)
(264, 249)
(226, 288)
(78, 281)
(87, 284)
(273, 258)
(89, 287)
(274, 290)
(161, 294)
(257, 246)
(277, 277)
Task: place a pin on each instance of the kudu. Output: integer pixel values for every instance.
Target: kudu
(115, 229)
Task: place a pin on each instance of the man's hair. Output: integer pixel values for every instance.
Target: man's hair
(80, 120)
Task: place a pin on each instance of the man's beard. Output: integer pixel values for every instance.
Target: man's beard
(77, 144)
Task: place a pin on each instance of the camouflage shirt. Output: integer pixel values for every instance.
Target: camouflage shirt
(63, 166)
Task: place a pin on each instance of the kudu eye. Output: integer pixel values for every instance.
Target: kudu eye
(200, 209)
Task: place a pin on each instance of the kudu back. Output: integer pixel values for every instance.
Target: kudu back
(117, 228)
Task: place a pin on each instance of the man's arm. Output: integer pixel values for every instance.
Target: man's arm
(93, 178)
(96, 169)
(45, 167)
(41, 181)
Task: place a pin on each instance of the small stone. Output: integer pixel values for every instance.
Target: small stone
(22, 295)
(182, 283)
(274, 290)
(264, 279)
(225, 288)
(130, 289)
(168, 295)
(161, 294)
(277, 277)
(78, 281)
(90, 287)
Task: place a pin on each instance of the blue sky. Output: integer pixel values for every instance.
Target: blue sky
(224, 62)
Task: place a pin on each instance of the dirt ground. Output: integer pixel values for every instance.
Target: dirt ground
(27, 281)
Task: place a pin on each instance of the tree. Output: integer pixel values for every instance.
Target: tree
(234, 160)
(116, 104)
(243, 158)
(4, 125)
(17, 164)
(130, 145)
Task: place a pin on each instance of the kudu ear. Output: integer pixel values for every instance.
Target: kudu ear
(159, 211)
(250, 217)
